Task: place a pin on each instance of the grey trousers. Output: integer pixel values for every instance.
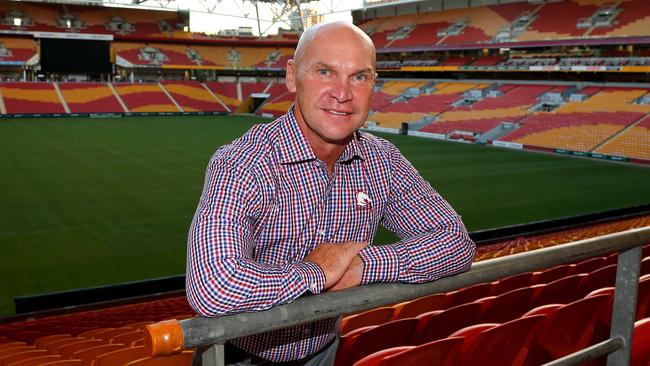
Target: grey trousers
(324, 358)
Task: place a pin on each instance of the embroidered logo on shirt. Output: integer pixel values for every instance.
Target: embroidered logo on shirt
(363, 200)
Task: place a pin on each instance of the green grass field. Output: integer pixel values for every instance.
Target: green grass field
(88, 202)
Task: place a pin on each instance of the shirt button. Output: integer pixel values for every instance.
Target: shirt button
(321, 232)
(312, 287)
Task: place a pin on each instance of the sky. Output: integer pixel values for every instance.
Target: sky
(232, 14)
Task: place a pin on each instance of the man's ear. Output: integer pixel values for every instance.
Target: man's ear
(291, 76)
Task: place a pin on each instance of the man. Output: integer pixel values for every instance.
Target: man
(291, 206)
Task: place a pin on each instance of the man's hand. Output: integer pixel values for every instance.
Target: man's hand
(334, 259)
(352, 276)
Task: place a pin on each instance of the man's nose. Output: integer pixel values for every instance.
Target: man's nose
(341, 90)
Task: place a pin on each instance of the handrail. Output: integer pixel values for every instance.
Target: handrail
(165, 338)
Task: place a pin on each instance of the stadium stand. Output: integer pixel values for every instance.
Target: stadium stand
(122, 23)
(574, 131)
(35, 97)
(90, 98)
(631, 142)
(17, 51)
(193, 97)
(278, 102)
(226, 92)
(145, 97)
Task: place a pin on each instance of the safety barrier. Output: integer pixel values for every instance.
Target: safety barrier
(208, 334)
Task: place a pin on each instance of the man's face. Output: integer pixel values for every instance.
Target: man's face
(333, 82)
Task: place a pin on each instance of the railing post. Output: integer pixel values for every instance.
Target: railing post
(209, 356)
(624, 308)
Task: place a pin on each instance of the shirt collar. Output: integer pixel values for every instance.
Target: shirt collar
(294, 148)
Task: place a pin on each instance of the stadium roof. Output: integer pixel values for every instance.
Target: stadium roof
(263, 16)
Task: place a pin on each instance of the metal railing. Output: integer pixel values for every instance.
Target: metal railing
(209, 334)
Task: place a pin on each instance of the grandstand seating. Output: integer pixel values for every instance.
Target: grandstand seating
(122, 23)
(90, 98)
(248, 88)
(145, 97)
(193, 97)
(17, 51)
(33, 97)
(278, 102)
(226, 92)
(574, 131)
(632, 142)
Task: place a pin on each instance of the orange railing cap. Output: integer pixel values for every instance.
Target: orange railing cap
(163, 338)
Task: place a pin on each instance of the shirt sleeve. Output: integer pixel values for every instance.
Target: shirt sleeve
(222, 277)
(434, 242)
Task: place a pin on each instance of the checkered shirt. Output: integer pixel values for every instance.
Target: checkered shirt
(268, 201)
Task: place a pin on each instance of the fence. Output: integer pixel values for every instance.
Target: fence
(209, 334)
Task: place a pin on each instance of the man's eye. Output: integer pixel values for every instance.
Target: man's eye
(323, 72)
(360, 77)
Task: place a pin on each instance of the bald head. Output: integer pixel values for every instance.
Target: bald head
(329, 32)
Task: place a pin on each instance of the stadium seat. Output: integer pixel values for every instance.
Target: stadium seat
(8, 359)
(57, 344)
(181, 359)
(10, 345)
(641, 343)
(128, 338)
(542, 310)
(507, 306)
(604, 277)
(88, 355)
(377, 358)
(37, 361)
(370, 317)
(469, 294)
(419, 306)
(41, 342)
(504, 344)
(512, 283)
(15, 350)
(64, 363)
(588, 265)
(562, 291)
(107, 336)
(443, 352)
(552, 274)
(380, 337)
(470, 333)
(438, 325)
(121, 356)
(568, 329)
(71, 348)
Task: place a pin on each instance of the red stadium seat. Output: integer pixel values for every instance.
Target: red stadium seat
(470, 333)
(181, 359)
(588, 265)
(469, 294)
(37, 361)
(438, 325)
(562, 291)
(552, 274)
(568, 329)
(393, 334)
(641, 343)
(442, 352)
(41, 342)
(8, 359)
(419, 306)
(507, 306)
(512, 283)
(377, 358)
(370, 317)
(604, 277)
(88, 355)
(121, 356)
(505, 344)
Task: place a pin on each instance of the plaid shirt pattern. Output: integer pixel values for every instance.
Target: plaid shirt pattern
(268, 201)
